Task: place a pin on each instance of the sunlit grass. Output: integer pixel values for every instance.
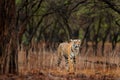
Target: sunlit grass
(45, 62)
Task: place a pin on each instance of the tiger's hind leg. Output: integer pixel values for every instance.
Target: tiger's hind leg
(66, 65)
(59, 61)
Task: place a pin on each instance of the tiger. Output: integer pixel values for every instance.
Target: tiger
(68, 50)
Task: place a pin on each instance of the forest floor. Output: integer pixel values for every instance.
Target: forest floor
(53, 75)
(42, 66)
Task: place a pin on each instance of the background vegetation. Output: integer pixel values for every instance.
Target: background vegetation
(52, 21)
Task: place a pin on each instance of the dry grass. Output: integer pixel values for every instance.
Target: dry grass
(87, 65)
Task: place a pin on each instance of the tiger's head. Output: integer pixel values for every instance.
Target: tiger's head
(75, 45)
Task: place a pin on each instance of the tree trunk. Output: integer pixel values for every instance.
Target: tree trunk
(8, 37)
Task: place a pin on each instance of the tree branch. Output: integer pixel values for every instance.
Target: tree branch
(111, 5)
(81, 2)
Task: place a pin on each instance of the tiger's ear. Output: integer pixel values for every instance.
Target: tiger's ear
(79, 40)
(70, 40)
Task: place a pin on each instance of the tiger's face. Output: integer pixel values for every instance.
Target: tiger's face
(75, 46)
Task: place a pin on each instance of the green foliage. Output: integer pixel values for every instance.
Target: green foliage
(62, 20)
(25, 40)
(81, 34)
(18, 1)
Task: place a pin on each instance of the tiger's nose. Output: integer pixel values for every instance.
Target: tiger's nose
(76, 46)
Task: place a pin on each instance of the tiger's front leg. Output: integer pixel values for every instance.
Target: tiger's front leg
(74, 63)
(68, 64)
(71, 64)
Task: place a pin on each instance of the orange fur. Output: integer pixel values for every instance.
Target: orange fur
(64, 49)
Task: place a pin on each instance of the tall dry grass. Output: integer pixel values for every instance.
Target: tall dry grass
(86, 62)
